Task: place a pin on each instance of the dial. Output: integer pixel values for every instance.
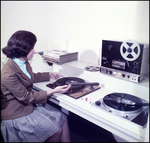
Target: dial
(111, 47)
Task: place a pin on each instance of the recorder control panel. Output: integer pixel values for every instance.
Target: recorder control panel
(120, 74)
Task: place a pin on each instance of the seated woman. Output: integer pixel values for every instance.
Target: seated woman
(25, 115)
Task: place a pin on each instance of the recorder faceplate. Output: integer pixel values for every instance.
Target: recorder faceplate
(127, 60)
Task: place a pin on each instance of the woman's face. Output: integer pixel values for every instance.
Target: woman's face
(30, 55)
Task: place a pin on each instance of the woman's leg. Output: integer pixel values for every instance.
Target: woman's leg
(63, 135)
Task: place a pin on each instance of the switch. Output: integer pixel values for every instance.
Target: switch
(114, 72)
(119, 73)
(110, 72)
(123, 75)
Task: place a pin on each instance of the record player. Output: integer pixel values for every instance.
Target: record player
(79, 87)
(129, 107)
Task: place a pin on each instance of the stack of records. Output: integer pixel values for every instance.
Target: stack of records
(60, 56)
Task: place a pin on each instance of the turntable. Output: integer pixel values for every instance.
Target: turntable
(129, 107)
(79, 87)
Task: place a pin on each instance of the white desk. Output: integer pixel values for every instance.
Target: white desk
(118, 126)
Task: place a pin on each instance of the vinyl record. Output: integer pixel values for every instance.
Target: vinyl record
(92, 68)
(113, 101)
(67, 80)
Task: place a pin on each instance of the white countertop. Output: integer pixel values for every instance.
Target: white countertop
(117, 125)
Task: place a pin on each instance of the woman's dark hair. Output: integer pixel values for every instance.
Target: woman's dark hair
(20, 44)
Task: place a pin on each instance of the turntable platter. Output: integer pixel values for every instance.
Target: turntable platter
(120, 101)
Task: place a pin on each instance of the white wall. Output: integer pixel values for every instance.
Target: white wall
(76, 25)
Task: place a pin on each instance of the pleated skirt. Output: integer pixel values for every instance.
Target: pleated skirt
(37, 126)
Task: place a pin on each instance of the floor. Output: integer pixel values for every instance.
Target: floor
(82, 130)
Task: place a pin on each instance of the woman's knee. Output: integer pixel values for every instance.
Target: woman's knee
(59, 132)
(56, 137)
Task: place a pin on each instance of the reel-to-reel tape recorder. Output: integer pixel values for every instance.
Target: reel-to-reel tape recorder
(127, 60)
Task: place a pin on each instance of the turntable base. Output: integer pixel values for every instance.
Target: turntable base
(83, 92)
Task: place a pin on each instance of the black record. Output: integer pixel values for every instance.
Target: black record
(111, 100)
(67, 80)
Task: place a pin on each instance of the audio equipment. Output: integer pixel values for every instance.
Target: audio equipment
(92, 68)
(127, 60)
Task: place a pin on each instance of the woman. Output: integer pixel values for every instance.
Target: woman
(25, 115)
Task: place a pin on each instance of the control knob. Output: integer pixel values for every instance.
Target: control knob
(123, 75)
(98, 103)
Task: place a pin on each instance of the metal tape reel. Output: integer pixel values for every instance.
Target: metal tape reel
(130, 50)
(92, 68)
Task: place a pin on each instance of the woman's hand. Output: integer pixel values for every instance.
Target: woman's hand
(59, 89)
(62, 89)
(55, 75)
